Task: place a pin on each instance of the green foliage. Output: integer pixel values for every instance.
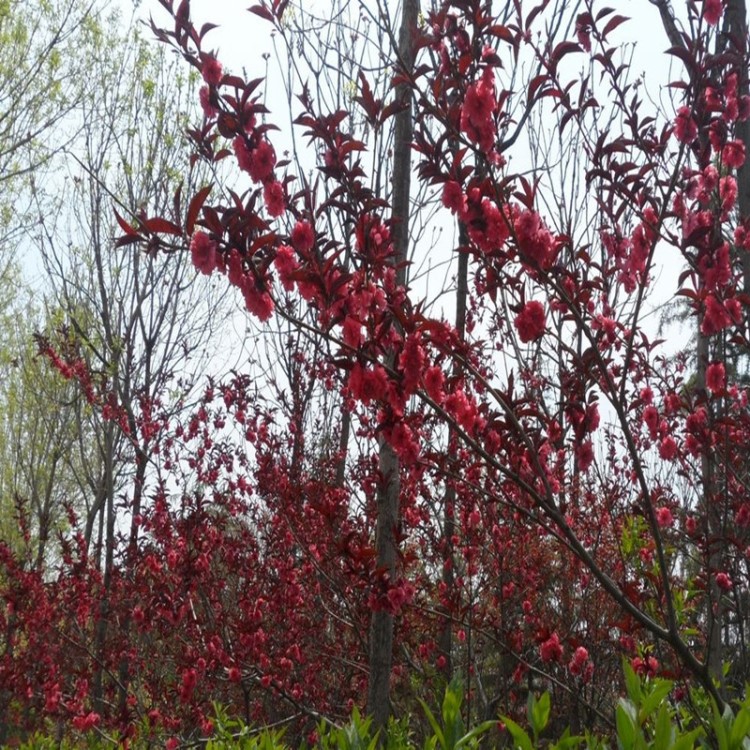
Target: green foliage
(645, 719)
(450, 733)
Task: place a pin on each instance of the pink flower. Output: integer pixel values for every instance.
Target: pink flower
(263, 160)
(727, 193)
(716, 317)
(716, 377)
(531, 321)
(733, 154)
(535, 243)
(591, 418)
(286, 264)
(85, 722)
(685, 127)
(476, 113)
(302, 236)
(433, 384)
(645, 667)
(724, 582)
(551, 650)
(209, 110)
(212, 71)
(578, 662)
(203, 253)
(258, 302)
(352, 331)
(453, 197)
(668, 448)
(242, 152)
(585, 455)
(712, 10)
(368, 385)
(664, 517)
(273, 195)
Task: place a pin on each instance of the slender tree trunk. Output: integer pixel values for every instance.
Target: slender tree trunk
(381, 634)
(100, 636)
(445, 639)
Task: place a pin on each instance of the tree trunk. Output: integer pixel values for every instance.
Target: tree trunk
(445, 639)
(381, 634)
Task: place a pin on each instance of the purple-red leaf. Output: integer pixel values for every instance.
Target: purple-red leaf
(161, 226)
(194, 208)
(262, 11)
(613, 23)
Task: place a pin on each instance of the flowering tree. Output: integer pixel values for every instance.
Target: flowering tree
(538, 477)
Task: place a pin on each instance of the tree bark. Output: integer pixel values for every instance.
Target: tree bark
(381, 633)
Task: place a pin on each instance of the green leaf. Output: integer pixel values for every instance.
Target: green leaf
(625, 718)
(632, 683)
(521, 740)
(478, 731)
(664, 733)
(740, 728)
(437, 731)
(687, 741)
(651, 702)
(539, 712)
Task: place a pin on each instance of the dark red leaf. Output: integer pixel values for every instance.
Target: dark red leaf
(262, 11)
(194, 208)
(613, 23)
(125, 226)
(161, 226)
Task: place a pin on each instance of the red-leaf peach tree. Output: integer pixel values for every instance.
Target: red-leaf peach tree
(541, 477)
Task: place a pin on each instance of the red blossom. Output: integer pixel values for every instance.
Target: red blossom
(551, 649)
(273, 195)
(203, 253)
(716, 378)
(685, 127)
(209, 110)
(712, 10)
(585, 455)
(258, 302)
(453, 197)
(531, 321)
(286, 264)
(647, 667)
(352, 332)
(302, 236)
(716, 317)
(664, 517)
(262, 162)
(651, 420)
(535, 243)
(578, 661)
(85, 722)
(724, 581)
(479, 105)
(368, 385)
(668, 448)
(212, 71)
(434, 381)
(728, 194)
(733, 154)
